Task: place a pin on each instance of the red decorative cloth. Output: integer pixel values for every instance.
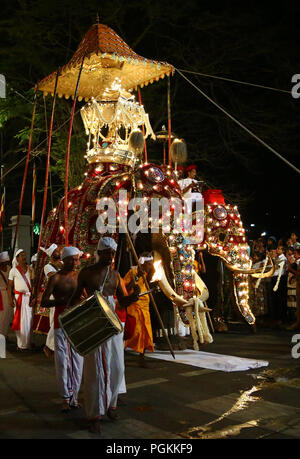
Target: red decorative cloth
(16, 325)
(212, 196)
(57, 313)
(1, 302)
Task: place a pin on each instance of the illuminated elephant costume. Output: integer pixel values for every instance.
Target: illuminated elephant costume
(113, 123)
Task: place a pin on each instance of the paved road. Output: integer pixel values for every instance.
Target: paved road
(168, 400)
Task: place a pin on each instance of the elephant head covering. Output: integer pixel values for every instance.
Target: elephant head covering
(107, 243)
(50, 249)
(4, 257)
(70, 251)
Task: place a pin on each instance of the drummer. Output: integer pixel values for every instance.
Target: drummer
(100, 388)
(68, 364)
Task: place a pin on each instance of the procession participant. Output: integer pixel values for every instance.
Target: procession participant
(121, 313)
(190, 190)
(142, 338)
(279, 284)
(100, 391)
(68, 364)
(186, 184)
(50, 269)
(180, 173)
(32, 267)
(294, 268)
(19, 291)
(6, 313)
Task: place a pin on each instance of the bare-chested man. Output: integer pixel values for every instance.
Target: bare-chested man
(104, 367)
(68, 364)
(51, 268)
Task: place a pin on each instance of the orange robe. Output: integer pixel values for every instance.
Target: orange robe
(142, 338)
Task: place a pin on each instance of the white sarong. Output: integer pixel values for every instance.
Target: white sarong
(68, 367)
(103, 374)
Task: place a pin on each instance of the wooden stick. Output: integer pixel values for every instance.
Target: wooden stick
(209, 319)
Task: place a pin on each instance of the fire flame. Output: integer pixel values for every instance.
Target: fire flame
(158, 271)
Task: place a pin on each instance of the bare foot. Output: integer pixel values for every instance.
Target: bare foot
(113, 414)
(65, 406)
(95, 426)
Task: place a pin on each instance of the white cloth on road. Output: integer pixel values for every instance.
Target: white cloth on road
(209, 360)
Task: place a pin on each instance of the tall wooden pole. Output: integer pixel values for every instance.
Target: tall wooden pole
(68, 157)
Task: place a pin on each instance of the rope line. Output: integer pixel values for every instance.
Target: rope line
(231, 80)
(240, 124)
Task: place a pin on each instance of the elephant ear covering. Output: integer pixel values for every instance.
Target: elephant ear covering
(136, 142)
(179, 151)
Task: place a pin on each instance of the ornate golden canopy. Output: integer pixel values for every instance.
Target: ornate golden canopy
(107, 60)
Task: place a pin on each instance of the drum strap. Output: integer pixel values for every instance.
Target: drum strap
(105, 278)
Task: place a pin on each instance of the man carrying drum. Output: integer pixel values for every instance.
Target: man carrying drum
(104, 367)
(68, 363)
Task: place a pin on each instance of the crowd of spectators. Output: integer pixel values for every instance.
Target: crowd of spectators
(275, 301)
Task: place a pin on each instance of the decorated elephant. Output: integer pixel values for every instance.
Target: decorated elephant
(108, 70)
(224, 235)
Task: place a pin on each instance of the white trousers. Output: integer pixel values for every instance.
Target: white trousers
(50, 335)
(68, 367)
(120, 341)
(103, 374)
(24, 334)
(6, 315)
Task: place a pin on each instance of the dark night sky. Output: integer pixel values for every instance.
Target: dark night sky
(173, 34)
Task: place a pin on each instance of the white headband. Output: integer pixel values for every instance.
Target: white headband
(50, 249)
(4, 257)
(70, 251)
(14, 262)
(107, 243)
(143, 260)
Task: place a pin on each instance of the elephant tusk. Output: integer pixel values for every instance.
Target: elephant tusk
(253, 272)
(166, 287)
(201, 287)
(191, 303)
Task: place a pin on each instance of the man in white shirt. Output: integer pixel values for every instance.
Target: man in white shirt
(279, 290)
(19, 291)
(187, 183)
